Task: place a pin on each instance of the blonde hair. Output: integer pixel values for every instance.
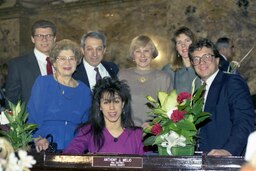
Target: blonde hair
(142, 41)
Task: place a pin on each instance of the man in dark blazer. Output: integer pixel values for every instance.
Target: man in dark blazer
(23, 70)
(226, 49)
(93, 46)
(227, 99)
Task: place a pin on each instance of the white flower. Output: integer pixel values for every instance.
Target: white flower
(25, 161)
(14, 164)
(3, 119)
(172, 139)
(169, 113)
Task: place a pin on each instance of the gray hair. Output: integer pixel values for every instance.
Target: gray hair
(223, 42)
(96, 35)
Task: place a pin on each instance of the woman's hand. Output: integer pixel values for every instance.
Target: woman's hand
(41, 144)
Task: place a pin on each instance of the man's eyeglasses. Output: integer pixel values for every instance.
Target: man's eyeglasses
(42, 37)
(207, 58)
(63, 59)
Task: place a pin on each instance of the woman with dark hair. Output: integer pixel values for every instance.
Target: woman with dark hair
(110, 128)
(180, 68)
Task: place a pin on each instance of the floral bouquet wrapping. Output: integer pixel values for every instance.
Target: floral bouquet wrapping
(175, 117)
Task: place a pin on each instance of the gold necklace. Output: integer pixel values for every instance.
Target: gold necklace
(62, 91)
(142, 79)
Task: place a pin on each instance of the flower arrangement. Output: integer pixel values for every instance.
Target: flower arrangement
(175, 118)
(17, 132)
(9, 161)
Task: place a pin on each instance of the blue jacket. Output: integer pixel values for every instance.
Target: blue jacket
(232, 115)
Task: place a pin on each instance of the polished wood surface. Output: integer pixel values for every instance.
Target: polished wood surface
(50, 161)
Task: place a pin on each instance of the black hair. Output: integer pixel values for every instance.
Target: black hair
(199, 44)
(111, 86)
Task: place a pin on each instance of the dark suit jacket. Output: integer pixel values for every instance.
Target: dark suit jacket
(232, 115)
(224, 64)
(22, 73)
(81, 74)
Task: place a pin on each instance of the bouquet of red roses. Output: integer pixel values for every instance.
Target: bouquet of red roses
(175, 117)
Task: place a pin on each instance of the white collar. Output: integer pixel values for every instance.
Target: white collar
(224, 57)
(210, 80)
(41, 57)
(88, 66)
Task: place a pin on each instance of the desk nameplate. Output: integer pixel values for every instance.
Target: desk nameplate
(117, 162)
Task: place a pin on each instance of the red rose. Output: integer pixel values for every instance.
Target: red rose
(156, 129)
(183, 96)
(177, 115)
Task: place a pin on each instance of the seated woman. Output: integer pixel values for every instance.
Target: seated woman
(58, 103)
(110, 128)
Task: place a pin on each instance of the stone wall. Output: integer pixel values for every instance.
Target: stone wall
(121, 20)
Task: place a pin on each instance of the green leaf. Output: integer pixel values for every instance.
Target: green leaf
(158, 140)
(201, 117)
(159, 111)
(147, 129)
(151, 99)
(149, 141)
(20, 132)
(186, 125)
(198, 93)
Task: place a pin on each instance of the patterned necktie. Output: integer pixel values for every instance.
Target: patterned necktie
(98, 77)
(48, 66)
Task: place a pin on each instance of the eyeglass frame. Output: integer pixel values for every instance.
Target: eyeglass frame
(63, 59)
(203, 58)
(46, 36)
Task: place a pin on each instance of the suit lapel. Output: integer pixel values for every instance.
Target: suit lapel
(33, 65)
(213, 94)
(81, 74)
(108, 68)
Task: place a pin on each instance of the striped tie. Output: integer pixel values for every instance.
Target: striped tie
(98, 77)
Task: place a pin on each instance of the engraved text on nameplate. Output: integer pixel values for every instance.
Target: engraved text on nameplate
(122, 162)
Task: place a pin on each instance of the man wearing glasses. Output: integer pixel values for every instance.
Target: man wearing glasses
(23, 70)
(227, 99)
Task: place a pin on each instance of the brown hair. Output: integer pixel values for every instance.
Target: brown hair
(176, 60)
(65, 44)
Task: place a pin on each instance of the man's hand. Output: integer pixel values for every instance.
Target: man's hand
(41, 144)
(219, 152)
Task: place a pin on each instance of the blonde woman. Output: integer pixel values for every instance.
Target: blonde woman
(143, 79)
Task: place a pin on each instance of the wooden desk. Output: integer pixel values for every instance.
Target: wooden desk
(52, 162)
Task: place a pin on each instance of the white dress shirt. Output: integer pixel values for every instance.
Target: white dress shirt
(41, 60)
(208, 85)
(91, 73)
